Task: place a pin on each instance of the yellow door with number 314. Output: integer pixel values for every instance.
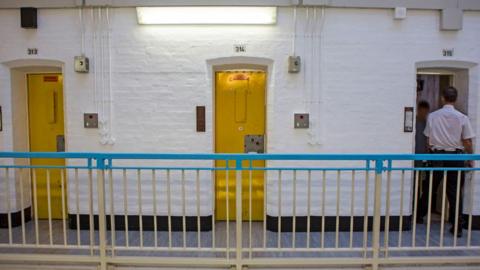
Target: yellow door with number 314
(239, 112)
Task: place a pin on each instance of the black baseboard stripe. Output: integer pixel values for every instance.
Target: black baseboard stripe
(16, 217)
(475, 222)
(206, 222)
(176, 222)
(344, 223)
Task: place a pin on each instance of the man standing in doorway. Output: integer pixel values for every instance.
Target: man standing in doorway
(448, 131)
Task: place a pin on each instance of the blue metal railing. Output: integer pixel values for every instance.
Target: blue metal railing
(105, 160)
(222, 156)
(105, 163)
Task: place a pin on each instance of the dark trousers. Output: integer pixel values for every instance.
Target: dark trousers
(423, 182)
(451, 190)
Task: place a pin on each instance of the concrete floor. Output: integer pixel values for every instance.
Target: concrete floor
(220, 240)
(191, 240)
(74, 267)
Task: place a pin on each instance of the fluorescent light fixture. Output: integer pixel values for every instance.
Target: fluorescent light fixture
(207, 15)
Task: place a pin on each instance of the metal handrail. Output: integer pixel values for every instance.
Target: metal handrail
(380, 164)
(249, 156)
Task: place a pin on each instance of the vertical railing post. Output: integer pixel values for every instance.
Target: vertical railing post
(102, 228)
(377, 213)
(238, 212)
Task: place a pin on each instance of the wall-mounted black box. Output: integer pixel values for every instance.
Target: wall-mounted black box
(28, 17)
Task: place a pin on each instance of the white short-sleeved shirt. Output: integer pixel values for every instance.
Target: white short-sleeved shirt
(446, 128)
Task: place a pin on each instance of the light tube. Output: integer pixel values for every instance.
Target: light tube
(206, 15)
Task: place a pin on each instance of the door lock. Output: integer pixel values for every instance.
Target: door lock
(254, 143)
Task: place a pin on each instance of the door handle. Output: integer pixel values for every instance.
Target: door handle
(60, 143)
(53, 108)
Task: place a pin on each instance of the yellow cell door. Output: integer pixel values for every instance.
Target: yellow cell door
(239, 112)
(45, 115)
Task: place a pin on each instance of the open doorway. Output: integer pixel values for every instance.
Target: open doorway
(429, 87)
(21, 120)
(430, 83)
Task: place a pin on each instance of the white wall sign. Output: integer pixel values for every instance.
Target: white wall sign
(240, 48)
(447, 52)
(408, 119)
(32, 51)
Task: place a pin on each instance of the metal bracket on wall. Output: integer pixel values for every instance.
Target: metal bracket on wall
(301, 120)
(90, 120)
(201, 122)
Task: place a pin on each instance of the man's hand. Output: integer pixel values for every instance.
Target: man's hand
(468, 144)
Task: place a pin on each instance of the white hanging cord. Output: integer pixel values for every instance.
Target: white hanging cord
(315, 57)
(316, 133)
(111, 139)
(102, 60)
(294, 39)
(312, 51)
(82, 30)
(306, 59)
(312, 88)
(94, 21)
(320, 129)
(101, 69)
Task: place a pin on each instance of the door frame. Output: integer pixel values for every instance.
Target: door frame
(448, 67)
(238, 62)
(20, 135)
(19, 71)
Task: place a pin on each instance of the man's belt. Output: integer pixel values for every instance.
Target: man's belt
(439, 151)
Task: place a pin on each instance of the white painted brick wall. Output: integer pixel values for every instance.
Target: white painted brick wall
(160, 73)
